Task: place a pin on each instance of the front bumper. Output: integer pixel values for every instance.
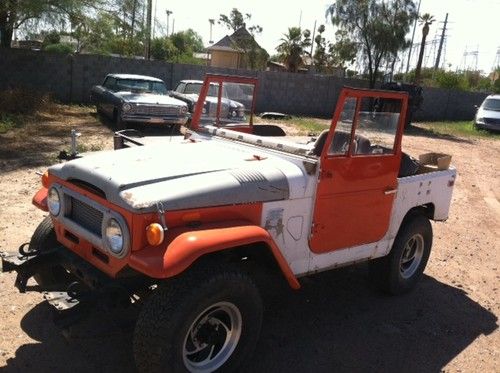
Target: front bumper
(488, 126)
(155, 120)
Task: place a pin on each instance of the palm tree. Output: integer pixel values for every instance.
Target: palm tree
(293, 47)
(426, 20)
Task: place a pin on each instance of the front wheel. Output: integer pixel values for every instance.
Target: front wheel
(44, 240)
(204, 321)
(399, 272)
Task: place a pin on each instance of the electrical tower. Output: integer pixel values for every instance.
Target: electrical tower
(496, 63)
(466, 64)
(443, 37)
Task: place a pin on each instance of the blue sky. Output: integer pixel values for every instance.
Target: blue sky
(474, 24)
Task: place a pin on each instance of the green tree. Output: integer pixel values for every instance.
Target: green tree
(15, 13)
(426, 20)
(236, 20)
(320, 57)
(293, 48)
(343, 51)
(188, 41)
(379, 26)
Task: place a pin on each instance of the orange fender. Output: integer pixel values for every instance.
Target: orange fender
(184, 247)
(40, 199)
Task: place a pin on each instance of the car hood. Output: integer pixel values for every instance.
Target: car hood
(148, 98)
(184, 175)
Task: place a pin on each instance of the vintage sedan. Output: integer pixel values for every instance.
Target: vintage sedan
(231, 110)
(137, 98)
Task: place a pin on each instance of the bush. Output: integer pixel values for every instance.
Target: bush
(63, 48)
(23, 101)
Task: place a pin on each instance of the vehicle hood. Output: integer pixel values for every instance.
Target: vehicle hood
(148, 98)
(184, 175)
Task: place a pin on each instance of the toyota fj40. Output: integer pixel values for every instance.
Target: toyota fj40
(174, 224)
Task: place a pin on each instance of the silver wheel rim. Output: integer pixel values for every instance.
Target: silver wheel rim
(212, 337)
(412, 256)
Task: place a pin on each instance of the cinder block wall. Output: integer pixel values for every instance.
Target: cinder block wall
(70, 78)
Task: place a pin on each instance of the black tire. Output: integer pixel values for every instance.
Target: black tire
(397, 273)
(43, 239)
(117, 119)
(162, 329)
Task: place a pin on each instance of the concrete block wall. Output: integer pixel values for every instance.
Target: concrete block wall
(70, 78)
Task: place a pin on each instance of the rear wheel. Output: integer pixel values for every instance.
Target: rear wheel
(43, 240)
(399, 272)
(207, 320)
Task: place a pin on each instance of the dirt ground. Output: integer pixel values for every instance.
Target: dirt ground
(335, 323)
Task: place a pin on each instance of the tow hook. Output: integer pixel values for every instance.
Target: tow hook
(26, 263)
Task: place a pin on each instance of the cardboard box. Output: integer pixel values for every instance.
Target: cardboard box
(436, 161)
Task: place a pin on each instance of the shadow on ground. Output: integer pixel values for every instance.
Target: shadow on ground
(424, 132)
(336, 323)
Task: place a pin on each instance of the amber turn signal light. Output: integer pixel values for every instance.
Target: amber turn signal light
(45, 179)
(155, 234)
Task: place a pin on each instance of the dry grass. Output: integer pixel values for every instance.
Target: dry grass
(36, 140)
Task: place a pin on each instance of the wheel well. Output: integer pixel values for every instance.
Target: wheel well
(256, 259)
(427, 210)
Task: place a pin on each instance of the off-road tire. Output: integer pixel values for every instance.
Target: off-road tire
(386, 272)
(169, 313)
(43, 239)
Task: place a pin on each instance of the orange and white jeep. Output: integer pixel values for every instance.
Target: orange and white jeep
(175, 223)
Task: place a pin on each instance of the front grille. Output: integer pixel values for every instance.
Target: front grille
(157, 111)
(86, 216)
(492, 120)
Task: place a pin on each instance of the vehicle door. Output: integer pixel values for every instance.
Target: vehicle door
(359, 165)
(108, 98)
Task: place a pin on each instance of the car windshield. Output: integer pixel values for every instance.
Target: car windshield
(195, 88)
(492, 104)
(141, 85)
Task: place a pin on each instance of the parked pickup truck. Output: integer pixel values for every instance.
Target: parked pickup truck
(184, 228)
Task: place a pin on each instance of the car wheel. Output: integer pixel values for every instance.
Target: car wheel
(399, 272)
(204, 321)
(44, 239)
(118, 121)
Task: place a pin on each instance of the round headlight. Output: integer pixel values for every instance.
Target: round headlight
(54, 201)
(114, 236)
(184, 109)
(234, 113)
(126, 107)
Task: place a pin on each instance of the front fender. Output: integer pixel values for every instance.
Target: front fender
(185, 247)
(40, 199)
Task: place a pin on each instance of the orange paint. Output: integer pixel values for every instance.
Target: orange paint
(218, 228)
(351, 207)
(185, 246)
(40, 199)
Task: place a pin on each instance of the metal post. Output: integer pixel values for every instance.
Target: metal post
(147, 46)
(412, 38)
(169, 12)
(438, 58)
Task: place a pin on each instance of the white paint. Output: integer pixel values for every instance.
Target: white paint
(413, 191)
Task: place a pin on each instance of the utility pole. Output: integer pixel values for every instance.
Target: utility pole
(147, 45)
(211, 21)
(443, 35)
(312, 41)
(412, 38)
(169, 12)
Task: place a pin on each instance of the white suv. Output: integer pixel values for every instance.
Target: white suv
(488, 114)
